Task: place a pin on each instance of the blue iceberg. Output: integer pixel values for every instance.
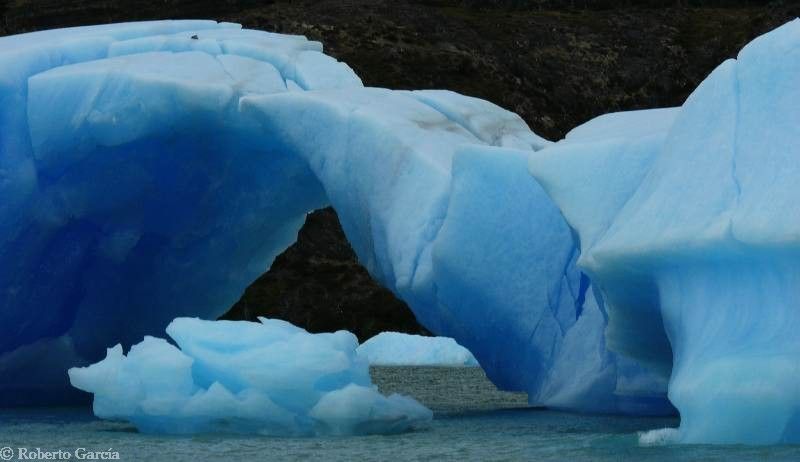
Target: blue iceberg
(153, 170)
(268, 378)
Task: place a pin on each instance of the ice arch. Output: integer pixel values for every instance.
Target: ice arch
(152, 170)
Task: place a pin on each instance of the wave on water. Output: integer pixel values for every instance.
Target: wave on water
(659, 437)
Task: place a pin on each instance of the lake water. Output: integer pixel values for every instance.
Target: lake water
(473, 421)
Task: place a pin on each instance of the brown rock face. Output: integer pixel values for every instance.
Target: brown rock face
(557, 63)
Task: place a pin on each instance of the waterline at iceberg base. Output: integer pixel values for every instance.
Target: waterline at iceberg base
(646, 252)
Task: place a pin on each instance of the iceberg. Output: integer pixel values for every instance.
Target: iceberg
(398, 349)
(153, 170)
(268, 378)
(694, 242)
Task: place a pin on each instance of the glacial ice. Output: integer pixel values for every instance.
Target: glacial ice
(268, 378)
(148, 175)
(506, 281)
(154, 175)
(695, 243)
(120, 170)
(398, 349)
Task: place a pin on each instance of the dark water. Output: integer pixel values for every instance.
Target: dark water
(473, 422)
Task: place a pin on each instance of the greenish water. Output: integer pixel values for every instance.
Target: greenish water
(473, 421)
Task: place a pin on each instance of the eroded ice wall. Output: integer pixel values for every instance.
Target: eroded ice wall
(695, 244)
(133, 192)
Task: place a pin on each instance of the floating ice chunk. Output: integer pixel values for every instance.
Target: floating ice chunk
(269, 378)
(397, 349)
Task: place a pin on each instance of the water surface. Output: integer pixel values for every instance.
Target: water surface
(473, 421)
